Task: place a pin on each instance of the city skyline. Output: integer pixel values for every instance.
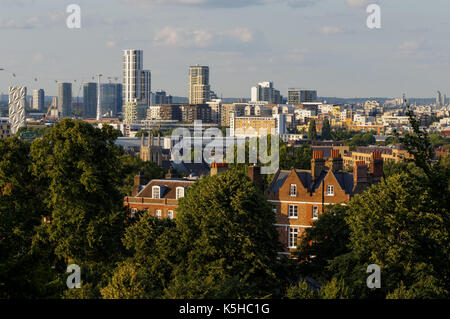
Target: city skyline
(335, 53)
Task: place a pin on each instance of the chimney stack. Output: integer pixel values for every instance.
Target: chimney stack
(254, 173)
(360, 173)
(217, 168)
(376, 166)
(317, 164)
(139, 180)
(337, 163)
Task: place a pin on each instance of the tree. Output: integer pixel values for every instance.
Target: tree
(24, 271)
(131, 165)
(312, 133)
(300, 291)
(127, 282)
(395, 225)
(228, 242)
(297, 157)
(77, 164)
(326, 129)
(335, 289)
(327, 239)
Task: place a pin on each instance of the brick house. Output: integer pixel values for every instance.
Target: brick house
(159, 197)
(298, 196)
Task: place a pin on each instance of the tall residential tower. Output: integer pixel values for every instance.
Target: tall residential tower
(65, 99)
(136, 80)
(199, 88)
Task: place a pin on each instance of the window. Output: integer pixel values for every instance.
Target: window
(315, 212)
(293, 211)
(133, 212)
(293, 238)
(293, 190)
(158, 213)
(330, 190)
(170, 214)
(155, 192)
(180, 192)
(274, 209)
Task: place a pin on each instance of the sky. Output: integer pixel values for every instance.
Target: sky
(315, 44)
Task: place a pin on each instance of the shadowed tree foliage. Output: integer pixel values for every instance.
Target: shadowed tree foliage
(227, 239)
(326, 129)
(328, 238)
(312, 133)
(24, 272)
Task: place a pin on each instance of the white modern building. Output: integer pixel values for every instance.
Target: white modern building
(265, 92)
(38, 99)
(136, 80)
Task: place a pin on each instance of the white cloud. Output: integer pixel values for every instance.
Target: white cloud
(244, 35)
(330, 30)
(200, 38)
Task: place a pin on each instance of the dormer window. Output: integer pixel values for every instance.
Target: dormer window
(330, 190)
(156, 192)
(293, 190)
(180, 192)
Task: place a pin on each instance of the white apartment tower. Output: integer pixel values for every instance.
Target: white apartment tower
(199, 88)
(136, 80)
(265, 92)
(38, 99)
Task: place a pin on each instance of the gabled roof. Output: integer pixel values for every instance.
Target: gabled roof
(344, 179)
(168, 187)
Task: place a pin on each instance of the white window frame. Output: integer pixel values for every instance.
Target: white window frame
(274, 209)
(315, 208)
(294, 210)
(294, 187)
(293, 233)
(330, 187)
(170, 214)
(179, 188)
(158, 213)
(158, 192)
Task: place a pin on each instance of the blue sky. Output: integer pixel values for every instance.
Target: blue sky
(320, 44)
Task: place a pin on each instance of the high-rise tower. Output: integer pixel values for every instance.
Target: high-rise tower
(65, 99)
(136, 80)
(199, 88)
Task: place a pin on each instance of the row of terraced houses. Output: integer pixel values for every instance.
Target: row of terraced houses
(298, 197)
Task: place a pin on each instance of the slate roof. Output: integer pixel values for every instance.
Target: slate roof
(168, 187)
(344, 179)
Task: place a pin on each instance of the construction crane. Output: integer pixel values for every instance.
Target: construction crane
(53, 107)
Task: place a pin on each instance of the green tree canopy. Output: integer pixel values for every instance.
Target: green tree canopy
(228, 241)
(326, 129)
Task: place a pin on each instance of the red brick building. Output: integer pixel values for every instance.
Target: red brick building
(299, 196)
(159, 197)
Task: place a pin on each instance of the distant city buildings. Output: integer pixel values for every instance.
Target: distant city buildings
(265, 92)
(160, 97)
(5, 128)
(38, 100)
(111, 99)
(89, 100)
(299, 96)
(65, 99)
(199, 87)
